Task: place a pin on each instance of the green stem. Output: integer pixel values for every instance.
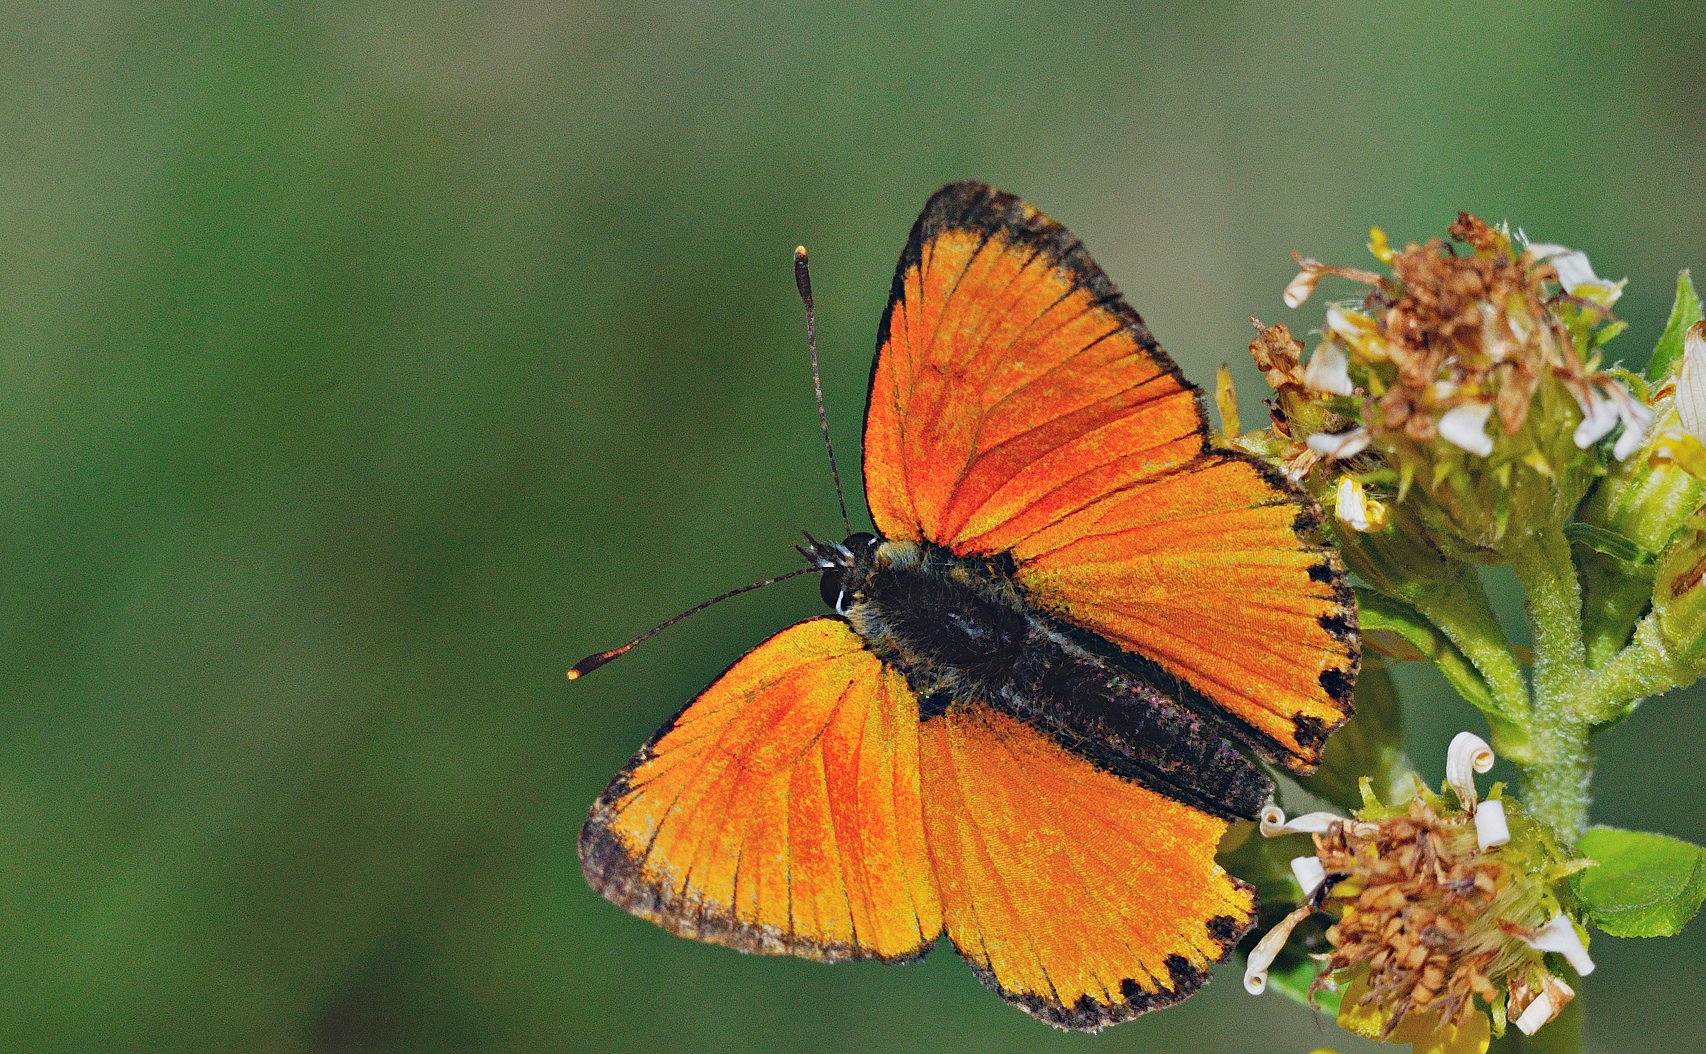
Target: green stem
(1646, 667)
(1555, 780)
(1458, 605)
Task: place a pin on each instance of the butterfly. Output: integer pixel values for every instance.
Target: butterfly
(1024, 720)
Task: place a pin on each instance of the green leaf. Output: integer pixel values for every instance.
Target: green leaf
(1683, 313)
(1646, 885)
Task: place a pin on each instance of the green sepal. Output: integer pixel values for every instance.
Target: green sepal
(1608, 542)
(1646, 885)
(1684, 312)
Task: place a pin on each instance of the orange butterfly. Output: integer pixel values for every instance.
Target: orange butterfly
(1018, 725)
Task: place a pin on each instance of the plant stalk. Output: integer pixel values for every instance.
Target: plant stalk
(1556, 778)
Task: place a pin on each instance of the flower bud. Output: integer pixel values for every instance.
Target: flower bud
(1679, 592)
(1630, 518)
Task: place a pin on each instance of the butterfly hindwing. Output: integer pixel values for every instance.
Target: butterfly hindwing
(1019, 406)
(1082, 898)
(780, 811)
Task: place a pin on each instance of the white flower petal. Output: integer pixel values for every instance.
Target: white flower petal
(1465, 425)
(1309, 873)
(1329, 370)
(1559, 935)
(1491, 830)
(1267, 949)
(1576, 274)
(1599, 417)
(1691, 382)
(1554, 995)
(1574, 270)
(1538, 1011)
(1341, 445)
(1352, 505)
(1300, 287)
(1636, 420)
(1467, 755)
(1275, 824)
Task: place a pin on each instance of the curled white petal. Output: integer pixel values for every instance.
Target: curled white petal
(1300, 287)
(1341, 445)
(1274, 823)
(1547, 250)
(1329, 370)
(1355, 329)
(1491, 830)
(1545, 1006)
(1538, 1011)
(1691, 383)
(1351, 506)
(1559, 935)
(1466, 426)
(1467, 755)
(1267, 949)
(1309, 873)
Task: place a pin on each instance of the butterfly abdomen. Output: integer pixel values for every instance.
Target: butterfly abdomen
(962, 633)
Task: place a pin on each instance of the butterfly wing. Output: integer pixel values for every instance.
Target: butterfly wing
(780, 811)
(1018, 405)
(1080, 897)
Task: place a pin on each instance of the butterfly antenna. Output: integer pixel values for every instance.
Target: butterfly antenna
(593, 662)
(803, 279)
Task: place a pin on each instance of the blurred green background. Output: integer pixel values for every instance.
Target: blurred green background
(367, 364)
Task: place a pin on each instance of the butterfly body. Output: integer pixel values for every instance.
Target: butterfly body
(962, 634)
(1023, 724)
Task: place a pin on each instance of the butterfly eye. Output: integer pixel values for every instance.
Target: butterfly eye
(830, 586)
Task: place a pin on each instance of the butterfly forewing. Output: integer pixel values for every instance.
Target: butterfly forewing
(1018, 405)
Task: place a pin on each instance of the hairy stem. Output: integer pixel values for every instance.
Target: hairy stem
(1646, 667)
(1458, 605)
(1555, 778)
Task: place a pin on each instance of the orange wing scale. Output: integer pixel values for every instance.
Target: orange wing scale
(780, 812)
(1018, 405)
(1082, 898)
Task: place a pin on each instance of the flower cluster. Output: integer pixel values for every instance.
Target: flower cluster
(1460, 413)
(1469, 374)
(1445, 908)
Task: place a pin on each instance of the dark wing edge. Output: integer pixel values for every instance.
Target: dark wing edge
(971, 205)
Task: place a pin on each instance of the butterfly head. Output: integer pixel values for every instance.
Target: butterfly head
(844, 566)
